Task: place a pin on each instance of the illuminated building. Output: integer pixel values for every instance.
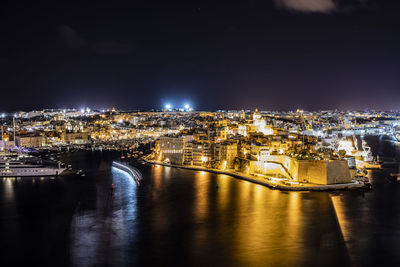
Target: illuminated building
(242, 130)
(171, 149)
(225, 154)
(74, 138)
(30, 141)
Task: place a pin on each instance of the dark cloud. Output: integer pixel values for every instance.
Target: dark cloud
(104, 47)
(321, 6)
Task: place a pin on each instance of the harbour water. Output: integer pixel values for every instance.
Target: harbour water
(193, 218)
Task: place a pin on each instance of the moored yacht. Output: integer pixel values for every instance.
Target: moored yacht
(26, 167)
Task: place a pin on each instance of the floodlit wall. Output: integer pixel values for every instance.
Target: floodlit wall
(30, 141)
(315, 171)
(267, 168)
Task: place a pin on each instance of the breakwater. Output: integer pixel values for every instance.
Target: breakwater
(132, 171)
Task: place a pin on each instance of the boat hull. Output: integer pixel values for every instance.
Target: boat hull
(30, 172)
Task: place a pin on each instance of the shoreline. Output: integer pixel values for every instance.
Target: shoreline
(269, 184)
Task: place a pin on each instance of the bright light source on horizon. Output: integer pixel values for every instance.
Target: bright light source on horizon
(187, 106)
(168, 106)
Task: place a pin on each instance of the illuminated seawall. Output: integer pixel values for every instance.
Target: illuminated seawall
(322, 172)
(132, 171)
(266, 182)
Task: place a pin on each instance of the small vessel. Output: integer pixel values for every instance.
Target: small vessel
(397, 175)
(372, 165)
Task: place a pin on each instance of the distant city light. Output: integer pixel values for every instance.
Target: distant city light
(82, 110)
(187, 106)
(168, 106)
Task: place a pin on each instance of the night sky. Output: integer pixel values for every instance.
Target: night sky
(274, 55)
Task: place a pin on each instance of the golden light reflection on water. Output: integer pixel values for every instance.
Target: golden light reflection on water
(157, 172)
(250, 219)
(266, 223)
(221, 215)
(202, 187)
(158, 183)
(200, 218)
(8, 188)
(167, 171)
(223, 192)
(344, 223)
(275, 194)
(339, 207)
(294, 217)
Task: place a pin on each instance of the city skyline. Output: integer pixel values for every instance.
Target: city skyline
(85, 110)
(200, 133)
(271, 55)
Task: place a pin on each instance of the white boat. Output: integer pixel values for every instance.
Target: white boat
(19, 168)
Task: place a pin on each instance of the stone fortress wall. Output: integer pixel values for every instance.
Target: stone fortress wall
(315, 171)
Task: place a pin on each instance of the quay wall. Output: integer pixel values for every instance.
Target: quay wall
(264, 182)
(322, 172)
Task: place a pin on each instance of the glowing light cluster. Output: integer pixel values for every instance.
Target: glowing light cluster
(186, 107)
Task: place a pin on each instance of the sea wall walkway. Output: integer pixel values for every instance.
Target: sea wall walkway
(135, 173)
(262, 180)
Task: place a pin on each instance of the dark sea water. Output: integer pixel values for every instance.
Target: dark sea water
(180, 217)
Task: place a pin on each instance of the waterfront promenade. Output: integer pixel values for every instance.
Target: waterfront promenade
(271, 183)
